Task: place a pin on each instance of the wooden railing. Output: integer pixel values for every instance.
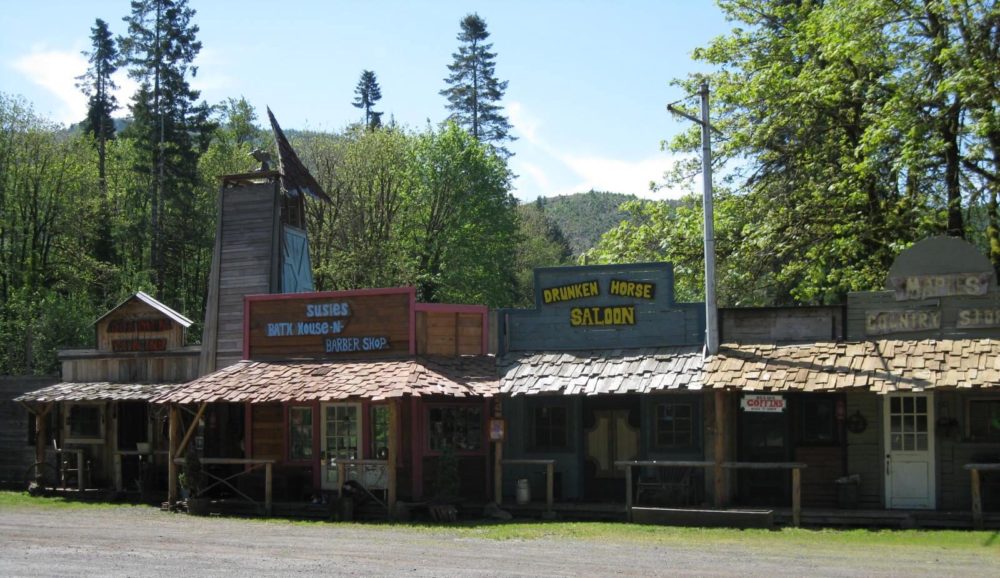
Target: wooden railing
(977, 492)
(225, 481)
(549, 477)
(796, 468)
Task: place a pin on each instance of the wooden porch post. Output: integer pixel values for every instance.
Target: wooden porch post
(977, 500)
(393, 455)
(498, 459)
(720, 447)
(796, 497)
(174, 439)
(41, 420)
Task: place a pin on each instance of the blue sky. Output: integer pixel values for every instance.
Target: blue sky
(588, 80)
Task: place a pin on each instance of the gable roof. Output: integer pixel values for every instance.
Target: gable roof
(600, 371)
(295, 177)
(148, 300)
(263, 382)
(882, 366)
(96, 391)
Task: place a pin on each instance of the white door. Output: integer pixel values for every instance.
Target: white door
(909, 444)
(340, 438)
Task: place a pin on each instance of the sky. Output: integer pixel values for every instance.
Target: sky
(588, 80)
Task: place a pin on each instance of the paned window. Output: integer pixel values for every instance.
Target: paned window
(550, 428)
(85, 422)
(459, 428)
(342, 432)
(984, 420)
(300, 430)
(674, 427)
(908, 427)
(818, 420)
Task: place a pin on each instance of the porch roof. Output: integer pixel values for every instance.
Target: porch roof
(96, 391)
(281, 381)
(882, 366)
(591, 372)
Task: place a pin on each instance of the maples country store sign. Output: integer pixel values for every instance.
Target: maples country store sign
(604, 307)
(374, 323)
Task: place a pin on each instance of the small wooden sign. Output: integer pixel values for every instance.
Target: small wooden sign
(498, 429)
(763, 403)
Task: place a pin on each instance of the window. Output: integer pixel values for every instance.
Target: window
(984, 420)
(85, 422)
(457, 427)
(380, 432)
(342, 432)
(674, 427)
(818, 420)
(300, 431)
(549, 428)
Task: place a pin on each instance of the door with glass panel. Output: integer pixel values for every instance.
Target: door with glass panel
(341, 438)
(909, 444)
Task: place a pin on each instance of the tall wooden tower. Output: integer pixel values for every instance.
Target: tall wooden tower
(261, 247)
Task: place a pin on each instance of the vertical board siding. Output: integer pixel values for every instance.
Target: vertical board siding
(864, 450)
(16, 454)
(268, 432)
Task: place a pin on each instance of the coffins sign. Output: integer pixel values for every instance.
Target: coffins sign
(333, 325)
(763, 403)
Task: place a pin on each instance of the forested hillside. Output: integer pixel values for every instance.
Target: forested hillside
(584, 217)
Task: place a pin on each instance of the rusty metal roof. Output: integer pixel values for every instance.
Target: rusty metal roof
(262, 382)
(882, 366)
(97, 391)
(149, 300)
(593, 372)
(295, 177)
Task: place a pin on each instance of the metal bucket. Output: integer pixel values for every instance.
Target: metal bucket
(523, 491)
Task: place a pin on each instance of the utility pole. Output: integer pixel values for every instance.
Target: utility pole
(711, 307)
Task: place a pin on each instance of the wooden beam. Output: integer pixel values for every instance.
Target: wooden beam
(174, 438)
(720, 447)
(796, 497)
(628, 492)
(393, 456)
(190, 432)
(550, 477)
(977, 500)
(498, 458)
(268, 485)
(41, 421)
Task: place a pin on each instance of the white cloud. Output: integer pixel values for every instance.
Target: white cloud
(566, 172)
(56, 71)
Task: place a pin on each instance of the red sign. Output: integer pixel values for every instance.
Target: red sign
(138, 325)
(129, 345)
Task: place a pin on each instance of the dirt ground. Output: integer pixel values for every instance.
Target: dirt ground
(147, 542)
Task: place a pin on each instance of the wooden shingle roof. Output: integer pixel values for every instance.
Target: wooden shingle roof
(262, 382)
(595, 372)
(882, 366)
(97, 391)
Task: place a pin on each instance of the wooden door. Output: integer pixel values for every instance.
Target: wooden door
(909, 458)
(610, 440)
(764, 437)
(340, 437)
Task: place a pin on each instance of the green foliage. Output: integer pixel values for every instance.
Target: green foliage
(367, 94)
(584, 217)
(98, 85)
(541, 244)
(473, 91)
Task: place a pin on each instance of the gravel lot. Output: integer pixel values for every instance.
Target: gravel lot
(147, 542)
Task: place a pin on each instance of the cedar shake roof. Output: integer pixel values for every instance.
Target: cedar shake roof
(593, 372)
(262, 382)
(97, 391)
(295, 177)
(882, 366)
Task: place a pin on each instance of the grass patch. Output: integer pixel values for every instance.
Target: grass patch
(23, 500)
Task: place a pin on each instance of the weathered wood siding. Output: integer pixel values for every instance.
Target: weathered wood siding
(447, 333)
(860, 304)
(136, 310)
(659, 321)
(16, 454)
(268, 434)
(244, 262)
(784, 325)
(865, 455)
(169, 367)
(954, 449)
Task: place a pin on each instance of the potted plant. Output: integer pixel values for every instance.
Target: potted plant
(190, 480)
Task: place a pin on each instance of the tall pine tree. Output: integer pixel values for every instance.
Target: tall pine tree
(473, 91)
(368, 92)
(169, 126)
(97, 84)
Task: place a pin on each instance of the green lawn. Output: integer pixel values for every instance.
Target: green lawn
(632, 533)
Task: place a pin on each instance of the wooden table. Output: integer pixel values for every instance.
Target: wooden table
(977, 495)
(549, 477)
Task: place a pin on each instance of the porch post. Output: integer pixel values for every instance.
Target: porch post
(498, 458)
(720, 447)
(41, 419)
(393, 455)
(174, 439)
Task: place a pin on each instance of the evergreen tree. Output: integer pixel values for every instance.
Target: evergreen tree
(96, 83)
(473, 91)
(169, 126)
(368, 93)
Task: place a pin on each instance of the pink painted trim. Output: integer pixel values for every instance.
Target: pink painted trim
(366, 428)
(487, 414)
(317, 459)
(486, 334)
(413, 321)
(324, 294)
(248, 431)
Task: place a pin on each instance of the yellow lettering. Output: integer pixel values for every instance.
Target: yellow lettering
(629, 316)
(574, 317)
